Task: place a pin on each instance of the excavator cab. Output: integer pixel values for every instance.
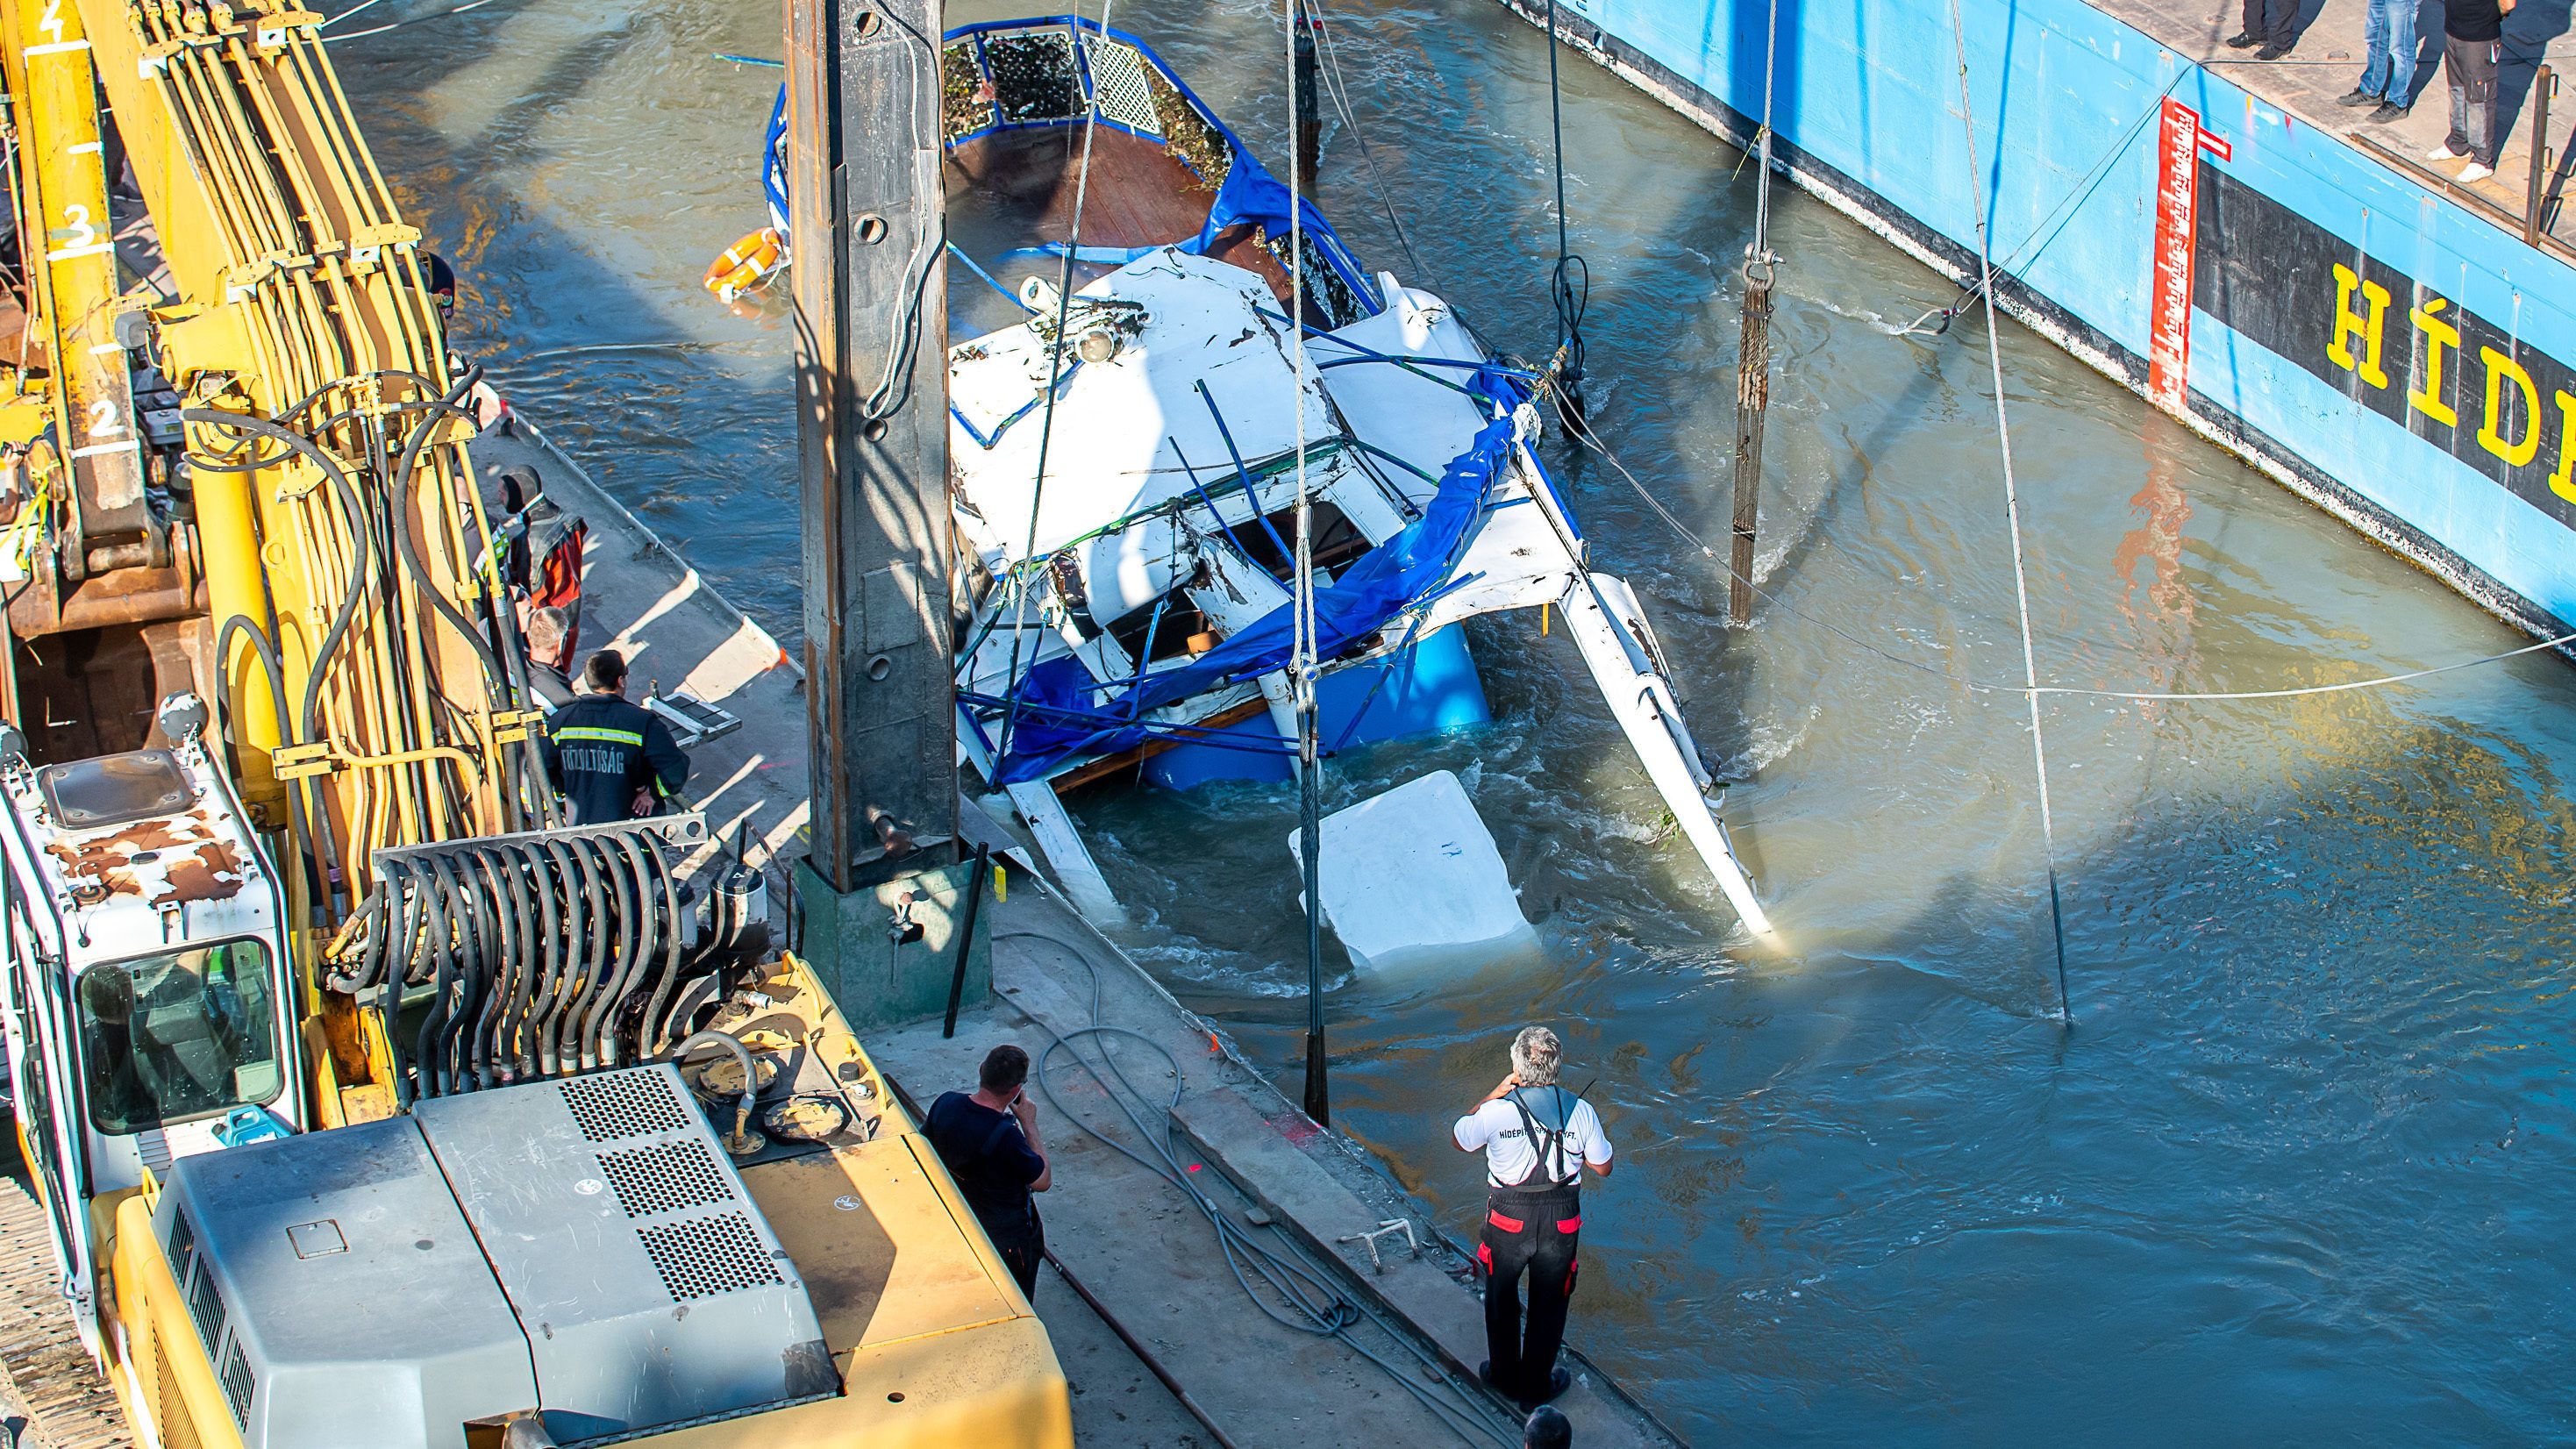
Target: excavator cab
(145, 1003)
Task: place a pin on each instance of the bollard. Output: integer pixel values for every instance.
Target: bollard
(1310, 115)
(1752, 400)
(2536, 190)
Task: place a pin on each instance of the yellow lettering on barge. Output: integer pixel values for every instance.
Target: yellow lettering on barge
(2563, 481)
(2501, 370)
(2350, 324)
(2438, 335)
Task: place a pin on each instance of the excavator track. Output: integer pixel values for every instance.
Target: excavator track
(45, 1375)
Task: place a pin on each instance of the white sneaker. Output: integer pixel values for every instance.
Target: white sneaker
(2444, 152)
(2475, 172)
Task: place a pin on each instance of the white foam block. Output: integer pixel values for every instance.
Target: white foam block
(1414, 871)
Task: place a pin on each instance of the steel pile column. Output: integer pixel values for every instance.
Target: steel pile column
(863, 135)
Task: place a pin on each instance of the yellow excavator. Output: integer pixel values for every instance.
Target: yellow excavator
(365, 1101)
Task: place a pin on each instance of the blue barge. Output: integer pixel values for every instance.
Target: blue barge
(2372, 344)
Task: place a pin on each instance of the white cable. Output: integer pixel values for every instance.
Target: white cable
(1306, 643)
(2012, 511)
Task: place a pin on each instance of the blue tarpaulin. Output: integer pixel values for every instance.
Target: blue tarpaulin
(1409, 566)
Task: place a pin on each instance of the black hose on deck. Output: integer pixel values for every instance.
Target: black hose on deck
(501, 957)
(561, 925)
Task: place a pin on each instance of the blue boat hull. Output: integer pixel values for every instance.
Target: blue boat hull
(1427, 687)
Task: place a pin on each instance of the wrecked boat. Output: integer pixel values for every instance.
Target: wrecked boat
(1125, 462)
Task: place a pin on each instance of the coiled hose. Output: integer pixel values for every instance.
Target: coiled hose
(540, 956)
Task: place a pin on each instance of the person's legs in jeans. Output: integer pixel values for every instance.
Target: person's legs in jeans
(2396, 19)
(2377, 64)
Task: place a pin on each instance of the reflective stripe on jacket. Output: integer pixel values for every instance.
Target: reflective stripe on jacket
(600, 750)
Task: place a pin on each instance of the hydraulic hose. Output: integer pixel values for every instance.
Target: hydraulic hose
(501, 960)
(553, 873)
(599, 887)
(742, 1055)
(299, 809)
(439, 920)
(360, 576)
(652, 1028)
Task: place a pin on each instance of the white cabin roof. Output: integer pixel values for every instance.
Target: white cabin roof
(1122, 428)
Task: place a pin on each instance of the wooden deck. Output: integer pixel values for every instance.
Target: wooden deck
(1016, 189)
(51, 1395)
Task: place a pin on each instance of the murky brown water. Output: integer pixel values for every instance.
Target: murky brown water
(2300, 1171)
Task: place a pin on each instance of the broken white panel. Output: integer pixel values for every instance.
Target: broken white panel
(1414, 872)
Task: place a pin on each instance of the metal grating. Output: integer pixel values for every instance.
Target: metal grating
(1033, 76)
(665, 1177)
(206, 1305)
(623, 1104)
(183, 1246)
(238, 1385)
(702, 1257)
(1118, 85)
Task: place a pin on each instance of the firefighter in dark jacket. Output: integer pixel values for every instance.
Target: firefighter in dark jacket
(610, 759)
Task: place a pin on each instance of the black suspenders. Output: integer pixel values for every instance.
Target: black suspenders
(1555, 1139)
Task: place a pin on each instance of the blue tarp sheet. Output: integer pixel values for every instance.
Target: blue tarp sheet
(1410, 565)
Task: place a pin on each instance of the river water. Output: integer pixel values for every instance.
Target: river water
(2300, 1168)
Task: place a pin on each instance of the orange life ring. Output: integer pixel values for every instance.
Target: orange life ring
(747, 264)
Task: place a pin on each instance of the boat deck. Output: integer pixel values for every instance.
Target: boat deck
(2325, 61)
(1018, 188)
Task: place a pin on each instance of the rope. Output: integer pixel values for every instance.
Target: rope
(1569, 287)
(1339, 90)
(394, 25)
(1760, 248)
(1055, 378)
(1300, 1283)
(2049, 225)
(2012, 513)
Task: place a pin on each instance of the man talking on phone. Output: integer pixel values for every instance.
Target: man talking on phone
(988, 1138)
(1537, 1139)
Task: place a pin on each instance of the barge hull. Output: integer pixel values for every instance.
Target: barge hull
(2264, 281)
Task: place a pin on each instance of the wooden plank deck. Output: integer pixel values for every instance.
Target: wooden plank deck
(50, 1392)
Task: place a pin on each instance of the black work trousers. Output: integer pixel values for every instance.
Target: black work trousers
(2270, 20)
(1022, 1248)
(1528, 1232)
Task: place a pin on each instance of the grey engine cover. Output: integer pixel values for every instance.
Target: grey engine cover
(340, 1293)
(649, 1286)
(605, 1241)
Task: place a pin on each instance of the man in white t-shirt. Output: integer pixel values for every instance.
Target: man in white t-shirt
(1537, 1138)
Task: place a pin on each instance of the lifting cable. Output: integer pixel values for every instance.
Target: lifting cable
(1055, 384)
(1982, 686)
(1339, 90)
(2012, 512)
(1569, 287)
(2050, 225)
(1303, 662)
